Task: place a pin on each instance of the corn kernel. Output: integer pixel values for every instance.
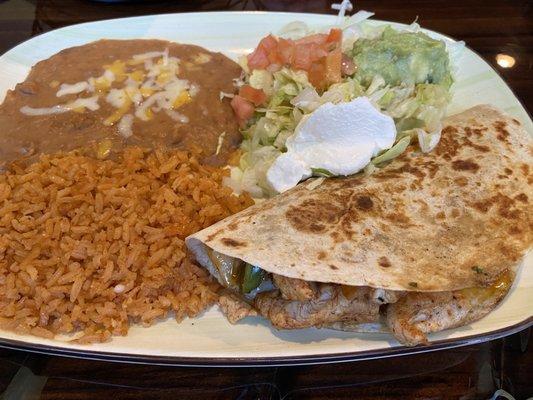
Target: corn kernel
(118, 114)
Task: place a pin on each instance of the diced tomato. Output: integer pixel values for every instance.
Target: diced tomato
(317, 75)
(319, 54)
(333, 66)
(258, 59)
(302, 57)
(268, 43)
(275, 57)
(318, 38)
(243, 109)
(335, 36)
(256, 96)
(265, 54)
(316, 52)
(286, 49)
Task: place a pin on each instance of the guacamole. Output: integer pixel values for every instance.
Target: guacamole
(402, 57)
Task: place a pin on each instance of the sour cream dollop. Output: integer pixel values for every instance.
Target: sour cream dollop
(339, 138)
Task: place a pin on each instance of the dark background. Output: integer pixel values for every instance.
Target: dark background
(489, 27)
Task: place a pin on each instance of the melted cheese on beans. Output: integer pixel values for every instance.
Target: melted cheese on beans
(137, 88)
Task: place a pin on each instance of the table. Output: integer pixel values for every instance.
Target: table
(492, 28)
(473, 372)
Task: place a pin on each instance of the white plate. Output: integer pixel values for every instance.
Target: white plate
(211, 340)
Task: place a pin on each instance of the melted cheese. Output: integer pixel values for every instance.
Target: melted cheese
(125, 85)
(116, 97)
(478, 295)
(137, 75)
(134, 94)
(202, 58)
(118, 69)
(178, 117)
(102, 83)
(146, 91)
(33, 112)
(89, 102)
(125, 126)
(103, 148)
(349, 292)
(183, 98)
(151, 54)
(74, 88)
(496, 290)
(78, 105)
(113, 118)
(220, 142)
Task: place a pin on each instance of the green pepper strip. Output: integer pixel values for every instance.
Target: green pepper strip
(252, 278)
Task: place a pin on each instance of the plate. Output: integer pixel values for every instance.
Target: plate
(210, 340)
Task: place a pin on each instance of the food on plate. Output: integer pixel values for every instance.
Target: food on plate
(344, 79)
(106, 150)
(147, 93)
(409, 58)
(123, 175)
(90, 246)
(427, 242)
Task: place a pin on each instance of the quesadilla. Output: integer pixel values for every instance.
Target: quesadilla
(426, 243)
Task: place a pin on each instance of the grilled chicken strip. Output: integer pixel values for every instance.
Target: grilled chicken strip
(295, 289)
(384, 296)
(234, 308)
(330, 306)
(416, 314)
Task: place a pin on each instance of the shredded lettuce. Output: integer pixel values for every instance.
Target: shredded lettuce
(262, 79)
(294, 30)
(322, 172)
(428, 141)
(394, 151)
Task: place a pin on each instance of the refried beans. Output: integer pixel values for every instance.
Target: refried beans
(205, 122)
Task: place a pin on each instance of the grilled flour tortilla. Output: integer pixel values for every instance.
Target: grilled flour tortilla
(429, 241)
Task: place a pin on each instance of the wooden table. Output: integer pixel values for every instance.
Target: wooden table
(490, 27)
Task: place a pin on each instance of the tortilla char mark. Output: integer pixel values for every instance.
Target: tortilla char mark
(364, 203)
(454, 139)
(341, 213)
(506, 206)
(522, 197)
(229, 242)
(384, 262)
(448, 146)
(314, 215)
(503, 133)
(465, 165)
(335, 213)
